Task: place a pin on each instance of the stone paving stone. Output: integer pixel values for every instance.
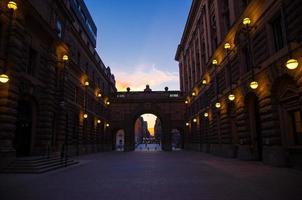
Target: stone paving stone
(156, 175)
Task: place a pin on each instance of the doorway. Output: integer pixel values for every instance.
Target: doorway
(23, 134)
(255, 126)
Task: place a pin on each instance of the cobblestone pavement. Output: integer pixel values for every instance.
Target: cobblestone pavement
(156, 175)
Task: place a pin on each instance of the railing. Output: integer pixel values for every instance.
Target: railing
(152, 94)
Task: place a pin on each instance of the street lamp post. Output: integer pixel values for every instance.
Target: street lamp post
(12, 6)
(291, 63)
(247, 28)
(64, 61)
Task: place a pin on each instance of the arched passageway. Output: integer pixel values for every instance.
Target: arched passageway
(127, 107)
(147, 130)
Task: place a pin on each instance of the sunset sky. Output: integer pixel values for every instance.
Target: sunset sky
(150, 118)
(138, 40)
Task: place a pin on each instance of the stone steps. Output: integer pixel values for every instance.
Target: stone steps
(38, 164)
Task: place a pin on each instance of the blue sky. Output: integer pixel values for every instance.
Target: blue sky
(138, 40)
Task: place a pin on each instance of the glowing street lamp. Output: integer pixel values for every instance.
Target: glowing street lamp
(4, 78)
(65, 58)
(206, 114)
(186, 101)
(12, 5)
(214, 62)
(292, 64)
(217, 105)
(194, 120)
(86, 83)
(254, 85)
(193, 94)
(85, 116)
(99, 121)
(107, 125)
(246, 21)
(107, 102)
(99, 95)
(187, 124)
(204, 81)
(231, 97)
(227, 46)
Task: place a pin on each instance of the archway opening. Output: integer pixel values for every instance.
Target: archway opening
(147, 131)
(120, 140)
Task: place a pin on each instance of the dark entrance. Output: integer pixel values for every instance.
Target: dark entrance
(23, 134)
(255, 126)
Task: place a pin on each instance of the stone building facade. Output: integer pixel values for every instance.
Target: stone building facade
(57, 96)
(239, 68)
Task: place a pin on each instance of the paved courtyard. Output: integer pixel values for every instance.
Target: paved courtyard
(156, 175)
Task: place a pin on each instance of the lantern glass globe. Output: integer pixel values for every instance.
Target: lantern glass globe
(254, 85)
(246, 21)
(86, 83)
(214, 62)
(206, 114)
(187, 124)
(231, 97)
(99, 121)
(186, 101)
(65, 58)
(217, 105)
(12, 5)
(292, 64)
(194, 120)
(85, 116)
(227, 45)
(204, 81)
(4, 78)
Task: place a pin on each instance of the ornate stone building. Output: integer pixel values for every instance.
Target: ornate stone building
(57, 95)
(239, 68)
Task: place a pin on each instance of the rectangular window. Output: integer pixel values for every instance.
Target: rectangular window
(247, 59)
(297, 126)
(1, 39)
(278, 33)
(226, 16)
(79, 58)
(213, 33)
(76, 94)
(32, 61)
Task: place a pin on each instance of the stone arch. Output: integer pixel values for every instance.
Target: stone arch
(134, 115)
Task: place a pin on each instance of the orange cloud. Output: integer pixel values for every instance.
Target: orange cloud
(143, 75)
